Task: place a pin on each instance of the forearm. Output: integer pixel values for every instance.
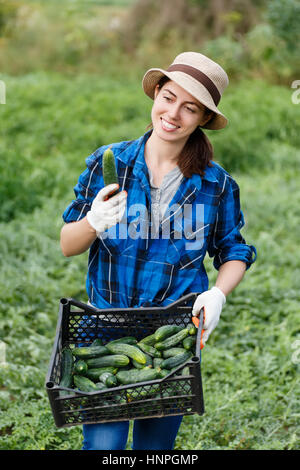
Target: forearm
(230, 275)
(76, 237)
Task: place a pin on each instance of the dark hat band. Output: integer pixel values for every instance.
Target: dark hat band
(200, 77)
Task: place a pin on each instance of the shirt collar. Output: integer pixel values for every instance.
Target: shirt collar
(134, 155)
(210, 173)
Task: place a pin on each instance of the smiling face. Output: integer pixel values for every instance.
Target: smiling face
(175, 113)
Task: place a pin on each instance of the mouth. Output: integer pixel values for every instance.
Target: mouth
(168, 126)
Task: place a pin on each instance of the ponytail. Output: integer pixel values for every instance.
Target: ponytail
(196, 154)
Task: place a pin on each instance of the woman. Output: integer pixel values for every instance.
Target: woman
(188, 206)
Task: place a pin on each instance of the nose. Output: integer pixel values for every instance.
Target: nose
(174, 112)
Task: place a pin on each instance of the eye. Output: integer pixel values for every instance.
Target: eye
(191, 110)
(167, 98)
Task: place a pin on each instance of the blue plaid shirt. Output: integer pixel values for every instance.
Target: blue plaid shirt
(135, 271)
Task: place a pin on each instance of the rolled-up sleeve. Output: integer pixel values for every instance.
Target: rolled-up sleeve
(226, 242)
(86, 189)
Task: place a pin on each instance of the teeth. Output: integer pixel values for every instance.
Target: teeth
(168, 125)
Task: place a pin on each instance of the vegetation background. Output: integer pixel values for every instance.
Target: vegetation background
(72, 71)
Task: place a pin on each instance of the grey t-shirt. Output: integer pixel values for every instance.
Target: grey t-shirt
(162, 196)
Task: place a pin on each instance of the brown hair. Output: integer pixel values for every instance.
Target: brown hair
(197, 152)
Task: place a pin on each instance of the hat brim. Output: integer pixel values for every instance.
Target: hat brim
(189, 84)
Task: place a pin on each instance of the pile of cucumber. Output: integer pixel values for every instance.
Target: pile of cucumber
(126, 360)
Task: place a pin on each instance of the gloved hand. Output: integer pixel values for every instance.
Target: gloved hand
(212, 300)
(105, 212)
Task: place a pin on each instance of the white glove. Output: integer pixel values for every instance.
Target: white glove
(212, 300)
(105, 212)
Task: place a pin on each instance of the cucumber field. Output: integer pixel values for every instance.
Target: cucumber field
(51, 122)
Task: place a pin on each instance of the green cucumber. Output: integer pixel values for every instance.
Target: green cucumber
(189, 342)
(173, 340)
(100, 386)
(163, 373)
(95, 373)
(80, 367)
(66, 369)
(109, 380)
(149, 362)
(149, 349)
(150, 339)
(114, 360)
(84, 384)
(110, 175)
(90, 352)
(128, 350)
(136, 393)
(165, 331)
(192, 329)
(175, 361)
(126, 340)
(157, 361)
(97, 342)
(172, 352)
(185, 371)
(137, 375)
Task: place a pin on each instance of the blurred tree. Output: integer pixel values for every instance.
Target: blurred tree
(8, 12)
(284, 16)
(196, 20)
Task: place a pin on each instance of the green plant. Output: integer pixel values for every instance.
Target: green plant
(283, 15)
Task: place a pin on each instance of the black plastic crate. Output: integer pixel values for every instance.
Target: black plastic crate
(80, 324)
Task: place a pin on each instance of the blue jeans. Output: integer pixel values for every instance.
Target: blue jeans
(148, 434)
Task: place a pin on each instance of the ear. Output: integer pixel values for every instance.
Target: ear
(207, 118)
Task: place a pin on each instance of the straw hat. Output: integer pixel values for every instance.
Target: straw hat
(198, 75)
